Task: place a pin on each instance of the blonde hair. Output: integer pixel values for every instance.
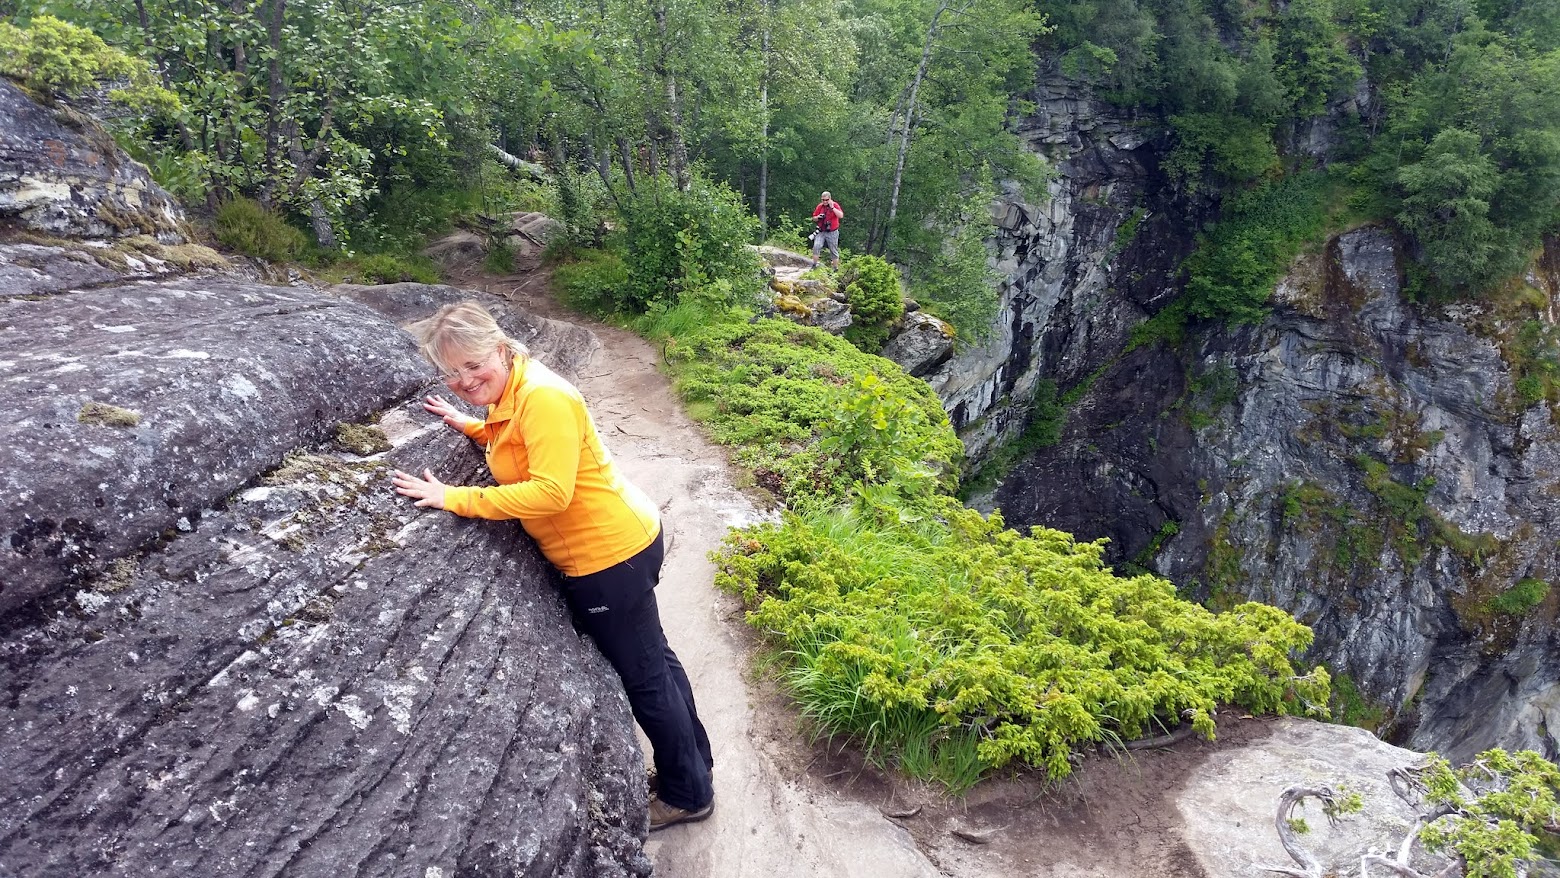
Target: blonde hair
(460, 331)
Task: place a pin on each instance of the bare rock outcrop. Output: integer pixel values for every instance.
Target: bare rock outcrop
(1226, 808)
(68, 178)
(133, 408)
(1362, 461)
(920, 344)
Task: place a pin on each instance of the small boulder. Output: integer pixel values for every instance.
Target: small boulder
(830, 316)
(921, 345)
(538, 227)
(457, 249)
(778, 258)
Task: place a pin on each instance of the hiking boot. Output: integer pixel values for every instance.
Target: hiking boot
(663, 815)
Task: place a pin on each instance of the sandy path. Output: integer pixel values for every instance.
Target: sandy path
(764, 824)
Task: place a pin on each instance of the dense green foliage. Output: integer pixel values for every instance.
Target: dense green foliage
(959, 646)
(372, 123)
(809, 413)
(1457, 141)
(1232, 273)
(687, 243)
(54, 57)
(1504, 807)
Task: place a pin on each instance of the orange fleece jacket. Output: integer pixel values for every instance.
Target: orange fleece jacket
(555, 476)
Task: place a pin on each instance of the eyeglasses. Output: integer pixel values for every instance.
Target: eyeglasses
(467, 371)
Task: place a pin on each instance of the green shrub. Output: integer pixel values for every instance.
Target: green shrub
(500, 258)
(54, 57)
(876, 302)
(596, 283)
(789, 234)
(778, 392)
(386, 268)
(580, 207)
(688, 244)
(1351, 708)
(665, 324)
(1534, 355)
(1520, 598)
(952, 646)
(1499, 810)
(243, 225)
(1233, 271)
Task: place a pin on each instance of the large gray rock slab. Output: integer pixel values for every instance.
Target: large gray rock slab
(36, 270)
(215, 380)
(214, 666)
(61, 174)
(319, 679)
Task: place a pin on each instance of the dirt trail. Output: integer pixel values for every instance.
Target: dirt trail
(784, 806)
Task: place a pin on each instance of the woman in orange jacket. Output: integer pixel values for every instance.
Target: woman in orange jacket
(602, 533)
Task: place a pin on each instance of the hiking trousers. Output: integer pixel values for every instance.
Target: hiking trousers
(617, 608)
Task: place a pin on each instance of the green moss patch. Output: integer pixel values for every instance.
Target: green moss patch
(101, 414)
(362, 439)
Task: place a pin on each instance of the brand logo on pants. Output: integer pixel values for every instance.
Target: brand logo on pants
(598, 609)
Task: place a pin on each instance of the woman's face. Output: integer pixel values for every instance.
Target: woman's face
(478, 379)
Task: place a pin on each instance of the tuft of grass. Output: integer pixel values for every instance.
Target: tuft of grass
(243, 225)
(1351, 708)
(500, 259)
(386, 268)
(593, 281)
(362, 439)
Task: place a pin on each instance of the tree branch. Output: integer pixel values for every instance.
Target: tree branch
(1291, 799)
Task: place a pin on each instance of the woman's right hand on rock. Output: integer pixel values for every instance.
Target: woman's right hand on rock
(451, 415)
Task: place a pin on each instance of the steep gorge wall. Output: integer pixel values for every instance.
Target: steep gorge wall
(1078, 270)
(1358, 460)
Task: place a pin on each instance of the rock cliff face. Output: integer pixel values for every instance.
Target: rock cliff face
(226, 647)
(1363, 462)
(1081, 263)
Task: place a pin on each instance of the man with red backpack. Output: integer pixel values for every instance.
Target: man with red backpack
(827, 216)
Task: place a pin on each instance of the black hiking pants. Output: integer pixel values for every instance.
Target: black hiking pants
(617, 608)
